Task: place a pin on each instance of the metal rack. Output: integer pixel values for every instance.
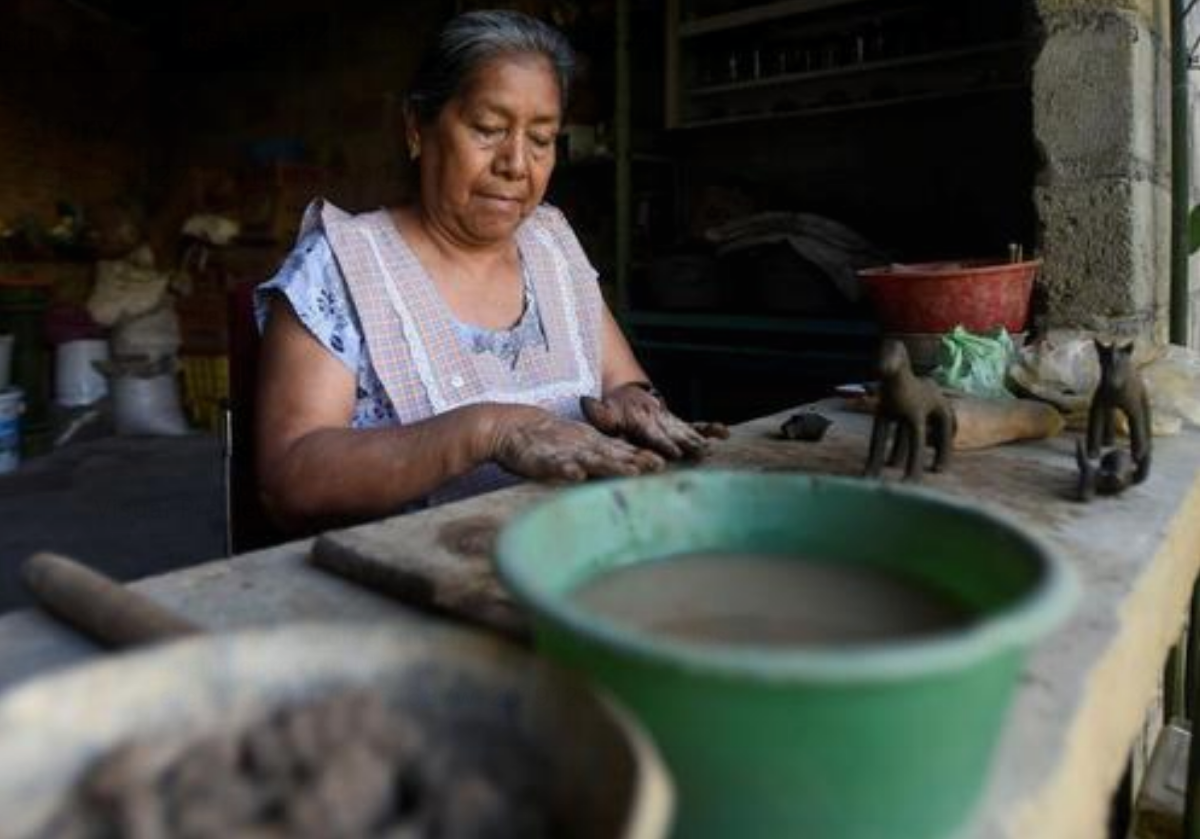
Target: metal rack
(815, 57)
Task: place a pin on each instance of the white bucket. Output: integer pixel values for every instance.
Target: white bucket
(148, 405)
(76, 380)
(6, 349)
(11, 408)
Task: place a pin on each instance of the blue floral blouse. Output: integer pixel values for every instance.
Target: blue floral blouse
(312, 283)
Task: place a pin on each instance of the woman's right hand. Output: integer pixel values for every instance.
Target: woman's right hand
(534, 443)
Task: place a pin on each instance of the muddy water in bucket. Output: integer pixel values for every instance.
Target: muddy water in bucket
(877, 720)
(774, 600)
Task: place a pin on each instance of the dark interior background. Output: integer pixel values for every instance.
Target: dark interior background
(251, 109)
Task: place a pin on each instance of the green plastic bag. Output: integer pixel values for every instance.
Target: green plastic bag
(975, 364)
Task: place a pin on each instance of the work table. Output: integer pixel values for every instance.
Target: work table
(1078, 709)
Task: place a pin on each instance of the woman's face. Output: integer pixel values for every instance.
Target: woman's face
(487, 158)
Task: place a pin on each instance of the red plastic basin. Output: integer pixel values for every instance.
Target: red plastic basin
(979, 295)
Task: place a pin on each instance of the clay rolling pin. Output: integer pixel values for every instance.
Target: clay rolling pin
(991, 422)
(98, 605)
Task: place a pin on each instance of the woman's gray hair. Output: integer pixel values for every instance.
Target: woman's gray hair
(474, 38)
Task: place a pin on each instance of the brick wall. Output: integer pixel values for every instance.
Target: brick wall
(73, 117)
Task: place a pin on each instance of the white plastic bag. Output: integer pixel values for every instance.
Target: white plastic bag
(126, 288)
(1063, 369)
(145, 396)
(154, 334)
(1173, 380)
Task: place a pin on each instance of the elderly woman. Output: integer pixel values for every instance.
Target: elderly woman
(425, 353)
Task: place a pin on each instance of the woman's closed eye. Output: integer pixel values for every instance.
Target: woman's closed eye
(491, 133)
(543, 141)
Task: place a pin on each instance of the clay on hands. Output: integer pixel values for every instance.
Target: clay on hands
(534, 443)
(639, 416)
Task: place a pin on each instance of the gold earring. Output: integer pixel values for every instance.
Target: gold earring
(414, 149)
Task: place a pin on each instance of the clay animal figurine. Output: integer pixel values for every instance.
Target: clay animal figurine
(1110, 476)
(915, 410)
(1120, 389)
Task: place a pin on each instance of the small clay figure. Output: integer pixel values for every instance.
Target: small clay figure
(916, 410)
(1110, 476)
(806, 425)
(1120, 389)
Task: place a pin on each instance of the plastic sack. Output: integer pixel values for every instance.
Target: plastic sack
(145, 396)
(126, 288)
(212, 228)
(975, 364)
(1173, 380)
(154, 334)
(1063, 369)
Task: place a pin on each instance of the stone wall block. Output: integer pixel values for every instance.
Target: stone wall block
(1194, 321)
(1147, 8)
(1153, 231)
(1097, 97)
(1102, 253)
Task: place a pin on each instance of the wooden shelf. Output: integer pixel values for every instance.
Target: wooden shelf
(46, 259)
(757, 14)
(873, 104)
(792, 79)
(751, 323)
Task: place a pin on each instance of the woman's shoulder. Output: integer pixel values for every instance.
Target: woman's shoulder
(311, 283)
(311, 260)
(309, 279)
(328, 220)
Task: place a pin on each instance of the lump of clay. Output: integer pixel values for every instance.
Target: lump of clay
(347, 767)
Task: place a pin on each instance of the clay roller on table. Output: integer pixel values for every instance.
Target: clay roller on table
(98, 605)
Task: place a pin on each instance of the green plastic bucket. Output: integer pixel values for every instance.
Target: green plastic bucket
(890, 739)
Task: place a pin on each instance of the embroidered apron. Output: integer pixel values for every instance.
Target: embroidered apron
(417, 353)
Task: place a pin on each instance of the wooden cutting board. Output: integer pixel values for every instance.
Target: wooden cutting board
(440, 560)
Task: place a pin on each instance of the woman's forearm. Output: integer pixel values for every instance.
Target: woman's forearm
(334, 476)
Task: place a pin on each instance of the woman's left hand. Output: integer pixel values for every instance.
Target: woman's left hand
(638, 415)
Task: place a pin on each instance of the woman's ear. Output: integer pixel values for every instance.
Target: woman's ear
(412, 133)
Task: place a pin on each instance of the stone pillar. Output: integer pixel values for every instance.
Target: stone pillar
(1193, 27)
(1101, 89)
